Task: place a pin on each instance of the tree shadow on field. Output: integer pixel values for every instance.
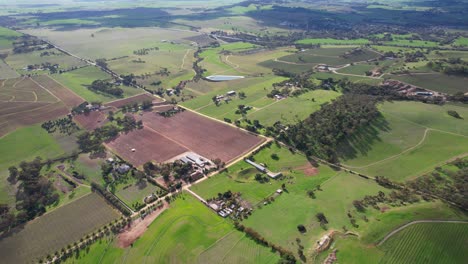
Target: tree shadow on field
(361, 142)
(141, 185)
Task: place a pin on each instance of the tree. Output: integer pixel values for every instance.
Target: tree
(13, 174)
(301, 228)
(454, 114)
(274, 156)
(321, 218)
(359, 205)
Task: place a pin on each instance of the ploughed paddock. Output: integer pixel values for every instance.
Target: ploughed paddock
(163, 138)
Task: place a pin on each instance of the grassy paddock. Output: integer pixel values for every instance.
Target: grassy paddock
(185, 233)
(399, 147)
(77, 81)
(331, 41)
(18, 146)
(436, 81)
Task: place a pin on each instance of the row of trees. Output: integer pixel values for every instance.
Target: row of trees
(111, 199)
(452, 185)
(287, 256)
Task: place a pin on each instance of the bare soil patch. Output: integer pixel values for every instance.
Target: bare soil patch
(148, 144)
(209, 138)
(138, 228)
(308, 169)
(91, 120)
(69, 98)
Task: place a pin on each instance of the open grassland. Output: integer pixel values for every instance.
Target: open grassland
(461, 41)
(292, 109)
(294, 207)
(214, 61)
(94, 43)
(249, 64)
(56, 229)
(237, 248)
(278, 221)
(176, 58)
(409, 139)
(435, 81)
(331, 41)
(18, 146)
(358, 79)
(383, 49)
(256, 91)
(428, 243)
(20, 61)
(359, 69)
(187, 232)
(7, 38)
(77, 81)
(330, 56)
(241, 176)
(412, 43)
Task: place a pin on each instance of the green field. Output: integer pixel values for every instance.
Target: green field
(214, 62)
(93, 43)
(57, 229)
(436, 81)
(409, 139)
(331, 56)
(77, 81)
(358, 79)
(19, 61)
(188, 232)
(18, 146)
(358, 69)
(7, 38)
(131, 192)
(428, 243)
(278, 220)
(333, 41)
(361, 249)
(461, 41)
(292, 109)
